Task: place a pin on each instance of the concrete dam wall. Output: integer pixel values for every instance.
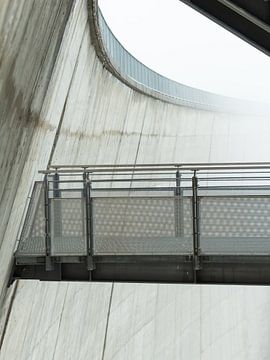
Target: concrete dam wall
(60, 105)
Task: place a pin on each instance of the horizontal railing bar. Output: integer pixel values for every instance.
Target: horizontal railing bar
(233, 178)
(67, 189)
(64, 181)
(244, 187)
(126, 188)
(186, 188)
(182, 180)
(184, 175)
(158, 169)
(161, 165)
(171, 172)
(132, 180)
(138, 189)
(264, 170)
(66, 173)
(244, 171)
(136, 180)
(158, 188)
(251, 187)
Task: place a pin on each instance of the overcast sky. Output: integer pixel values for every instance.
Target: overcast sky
(180, 43)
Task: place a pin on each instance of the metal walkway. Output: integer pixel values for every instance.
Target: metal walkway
(193, 223)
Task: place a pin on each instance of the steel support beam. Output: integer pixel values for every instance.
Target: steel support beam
(249, 19)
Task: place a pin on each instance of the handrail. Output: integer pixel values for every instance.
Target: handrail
(217, 219)
(103, 168)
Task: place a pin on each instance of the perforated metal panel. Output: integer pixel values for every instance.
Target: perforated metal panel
(140, 225)
(148, 225)
(235, 224)
(32, 241)
(68, 235)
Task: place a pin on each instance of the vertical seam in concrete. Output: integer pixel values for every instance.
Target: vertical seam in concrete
(8, 314)
(60, 320)
(65, 104)
(107, 323)
(139, 142)
(211, 139)
(122, 134)
(58, 131)
(138, 146)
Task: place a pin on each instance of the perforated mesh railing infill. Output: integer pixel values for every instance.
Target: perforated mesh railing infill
(235, 225)
(147, 225)
(141, 225)
(32, 240)
(68, 235)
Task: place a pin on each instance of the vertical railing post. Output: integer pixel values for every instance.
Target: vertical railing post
(178, 182)
(89, 220)
(56, 192)
(57, 207)
(49, 264)
(178, 225)
(196, 234)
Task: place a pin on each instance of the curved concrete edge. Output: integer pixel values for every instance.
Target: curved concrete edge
(215, 102)
(96, 40)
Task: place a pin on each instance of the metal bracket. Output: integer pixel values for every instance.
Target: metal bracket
(49, 265)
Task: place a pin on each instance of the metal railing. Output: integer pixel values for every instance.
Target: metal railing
(167, 209)
(146, 222)
(149, 81)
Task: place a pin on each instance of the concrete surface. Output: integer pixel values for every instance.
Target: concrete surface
(59, 105)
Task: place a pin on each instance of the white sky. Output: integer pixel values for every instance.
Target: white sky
(183, 45)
